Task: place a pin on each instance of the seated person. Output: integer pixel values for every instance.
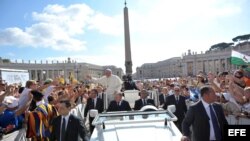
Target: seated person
(118, 104)
(93, 103)
(143, 101)
(163, 96)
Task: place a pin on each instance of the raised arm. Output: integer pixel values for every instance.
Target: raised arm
(21, 110)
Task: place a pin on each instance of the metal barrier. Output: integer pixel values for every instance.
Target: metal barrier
(232, 120)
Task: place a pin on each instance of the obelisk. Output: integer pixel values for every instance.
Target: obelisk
(128, 60)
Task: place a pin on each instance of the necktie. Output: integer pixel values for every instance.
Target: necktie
(93, 104)
(145, 103)
(215, 123)
(177, 99)
(63, 129)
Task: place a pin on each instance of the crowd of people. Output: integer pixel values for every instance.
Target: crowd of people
(50, 110)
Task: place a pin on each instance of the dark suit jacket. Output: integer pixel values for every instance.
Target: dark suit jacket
(101, 96)
(161, 99)
(75, 129)
(124, 106)
(181, 107)
(198, 118)
(139, 104)
(130, 85)
(90, 105)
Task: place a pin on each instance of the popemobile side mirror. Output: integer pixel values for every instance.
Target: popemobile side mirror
(172, 108)
(93, 113)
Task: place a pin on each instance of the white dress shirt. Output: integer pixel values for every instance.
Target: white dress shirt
(177, 98)
(66, 121)
(206, 106)
(165, 97)
(100, 95)
(119, 103)
(95, 100)
(144, 101)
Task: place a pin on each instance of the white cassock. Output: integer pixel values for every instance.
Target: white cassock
(112, 84)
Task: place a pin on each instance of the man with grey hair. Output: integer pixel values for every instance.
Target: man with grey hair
(180, 104)
(111, 82)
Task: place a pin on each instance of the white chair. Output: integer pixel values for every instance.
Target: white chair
(131, 96)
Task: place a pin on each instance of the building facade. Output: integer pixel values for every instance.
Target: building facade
(214, 61)
(44, 70)
(191, 63)
(163, 69)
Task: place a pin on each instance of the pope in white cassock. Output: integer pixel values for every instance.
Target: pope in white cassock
(111, 82)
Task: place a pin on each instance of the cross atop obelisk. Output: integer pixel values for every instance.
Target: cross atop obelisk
(128, 60)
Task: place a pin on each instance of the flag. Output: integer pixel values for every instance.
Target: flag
(239, 58)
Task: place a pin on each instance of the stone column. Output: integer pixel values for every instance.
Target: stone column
(214, 66)
(53, 74)
(219, 65)
(47, 74)
(226, 67)
(193, 65)
(66, 74)
(41, 75)
(207, 66)
(35, 74)
(57, 73)
(30, 74)
(128, 59)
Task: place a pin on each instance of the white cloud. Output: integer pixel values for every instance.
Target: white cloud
(56, 27)
(167, 28)
(161, 29)
(107, 24)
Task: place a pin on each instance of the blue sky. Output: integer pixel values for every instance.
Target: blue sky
(92, 30)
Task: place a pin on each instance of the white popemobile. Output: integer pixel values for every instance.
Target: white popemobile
(148, 124)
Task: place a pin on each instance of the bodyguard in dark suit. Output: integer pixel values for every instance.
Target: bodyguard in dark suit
(180, 105)
(128, 83)
(206, 118)
(118, 104)
(100, 93)
(67, 127)
(143, 101)
(93, 103)
(163, 96)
